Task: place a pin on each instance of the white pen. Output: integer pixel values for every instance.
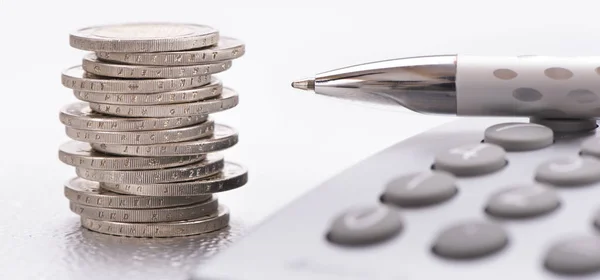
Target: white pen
(465, 85)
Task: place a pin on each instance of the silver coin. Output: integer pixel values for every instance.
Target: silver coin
(173, 214)
(212, 165)
(80, 154)
(227, 100)
(92, 65)
(226, 49)
(77, 79)
(214, 89)
(173, 135)
(231, 177)
(79, 115)
(88, 193)
(144, 37)
(211, 223)
(223, 138)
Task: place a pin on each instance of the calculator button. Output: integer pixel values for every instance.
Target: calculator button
(591, 147)
(471, 160)
(570, 171)
(574, 256)
(366, 225)
(566, 125)
(420, 189)
(524, 201)
(519, 136)
(470, 240)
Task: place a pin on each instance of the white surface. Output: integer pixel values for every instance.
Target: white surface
(290, 140)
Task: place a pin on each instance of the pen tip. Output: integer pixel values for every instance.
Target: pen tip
(304, 84)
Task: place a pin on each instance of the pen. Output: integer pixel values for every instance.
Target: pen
(466, 85)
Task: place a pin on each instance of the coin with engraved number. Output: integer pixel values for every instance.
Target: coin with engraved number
(214, 89)
(226, 49)
(227, 100)
(79, 115)
(231, 177)
(149, 215)
(212, 165)
(89, 193)
(92, 65)
(173, 135)
(214, 222)
(77, 79)
(223, 137)
(80, 154)
(144, 37)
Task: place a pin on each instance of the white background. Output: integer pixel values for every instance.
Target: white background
(290, 140)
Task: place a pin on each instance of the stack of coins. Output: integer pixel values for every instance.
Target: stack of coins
(145, 147)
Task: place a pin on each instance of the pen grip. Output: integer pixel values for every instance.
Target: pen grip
(541, 86)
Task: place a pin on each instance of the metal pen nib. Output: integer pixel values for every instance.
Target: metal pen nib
(304, 84)
(421, 84)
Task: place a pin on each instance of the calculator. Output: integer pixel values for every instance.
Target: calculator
(478, 198)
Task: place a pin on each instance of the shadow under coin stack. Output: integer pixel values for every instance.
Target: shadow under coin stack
(146, 152)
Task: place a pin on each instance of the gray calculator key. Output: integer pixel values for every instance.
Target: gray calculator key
(591, 147)
(574, 256)
(519, 136)
(566, 125)
(522, 201)
(470, 240)
(366, 225)
(569, 171)
(472, 160)
(420, 189)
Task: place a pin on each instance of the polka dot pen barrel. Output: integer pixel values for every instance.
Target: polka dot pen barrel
(465, 85)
